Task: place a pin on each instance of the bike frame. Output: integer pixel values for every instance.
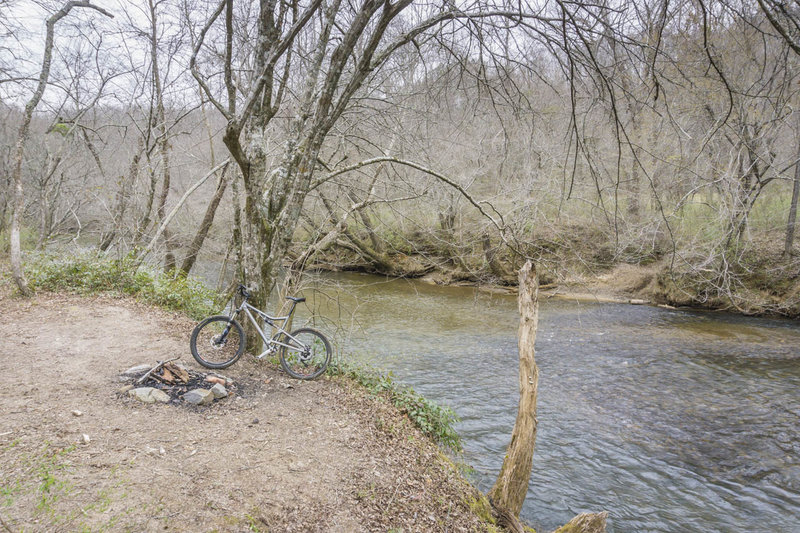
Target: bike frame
(271, 343)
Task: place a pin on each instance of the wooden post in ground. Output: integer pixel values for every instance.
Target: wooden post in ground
(508, 492)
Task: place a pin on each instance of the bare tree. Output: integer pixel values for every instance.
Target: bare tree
(788, 246)
(22, 137)
(322, 53)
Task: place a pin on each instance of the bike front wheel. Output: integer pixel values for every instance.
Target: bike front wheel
(217, 342)
(308, 355)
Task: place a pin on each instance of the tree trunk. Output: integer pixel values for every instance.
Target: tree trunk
(121, 198)
(163, 138)
(790, 225)
(634, 188)
(508, 492)
(46, 206)
(205, 225)
(144, 223)
(18, 205)
(495, 266)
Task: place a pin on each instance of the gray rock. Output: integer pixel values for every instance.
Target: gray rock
(137, 370)
(219, 391)
(199, 396)
(160, 396)
(149, 395)
(142, 394)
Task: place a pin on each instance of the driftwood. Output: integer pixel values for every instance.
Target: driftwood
(159, 365)
(585, 523)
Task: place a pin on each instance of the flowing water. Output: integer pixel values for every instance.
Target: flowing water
(670, 420)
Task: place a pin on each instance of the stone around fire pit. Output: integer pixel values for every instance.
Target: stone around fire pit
(219, 391)
(199, 396)
(149, 395)
(170, 382)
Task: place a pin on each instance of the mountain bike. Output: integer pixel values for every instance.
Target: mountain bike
(218, 341)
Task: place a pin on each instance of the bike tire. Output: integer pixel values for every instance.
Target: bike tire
(205, 345)
(302, 364)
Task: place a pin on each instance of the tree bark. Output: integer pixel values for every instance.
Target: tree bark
(205, 225)
(508, 492)
(790, 225)
(121, 198)
(163, 138)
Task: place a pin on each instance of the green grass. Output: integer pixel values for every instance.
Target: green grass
(434, 420)
(92, 273)
(44, 478)
(44, 475)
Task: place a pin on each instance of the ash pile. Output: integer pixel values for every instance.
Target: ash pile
(172, 382)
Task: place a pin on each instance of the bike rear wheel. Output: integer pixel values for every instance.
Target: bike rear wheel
(217, 342)
(308, 356)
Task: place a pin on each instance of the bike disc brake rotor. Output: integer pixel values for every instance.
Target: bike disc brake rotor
(217, 343)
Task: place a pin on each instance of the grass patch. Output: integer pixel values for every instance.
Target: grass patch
(51, 487)
(39, 487)
(92, 273)
(434, 420)
(43, 477)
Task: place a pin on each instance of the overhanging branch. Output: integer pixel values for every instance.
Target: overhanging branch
(498, 222)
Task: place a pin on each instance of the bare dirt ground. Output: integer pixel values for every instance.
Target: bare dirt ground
(282, 455)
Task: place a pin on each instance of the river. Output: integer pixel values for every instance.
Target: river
(670, 420)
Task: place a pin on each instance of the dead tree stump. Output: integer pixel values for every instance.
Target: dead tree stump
(508, 492)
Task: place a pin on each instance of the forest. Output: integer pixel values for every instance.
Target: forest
(452, 140)
(648, 148)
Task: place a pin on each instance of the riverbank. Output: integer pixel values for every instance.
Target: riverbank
(281, 455)
(772, 288)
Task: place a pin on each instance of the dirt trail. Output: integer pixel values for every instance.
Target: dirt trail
(283, 455)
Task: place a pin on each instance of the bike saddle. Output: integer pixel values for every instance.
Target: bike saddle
(298, 300)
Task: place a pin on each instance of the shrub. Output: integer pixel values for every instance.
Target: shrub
(89, 273)
(434, 420)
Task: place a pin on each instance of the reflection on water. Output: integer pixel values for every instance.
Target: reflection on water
(671, 420)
